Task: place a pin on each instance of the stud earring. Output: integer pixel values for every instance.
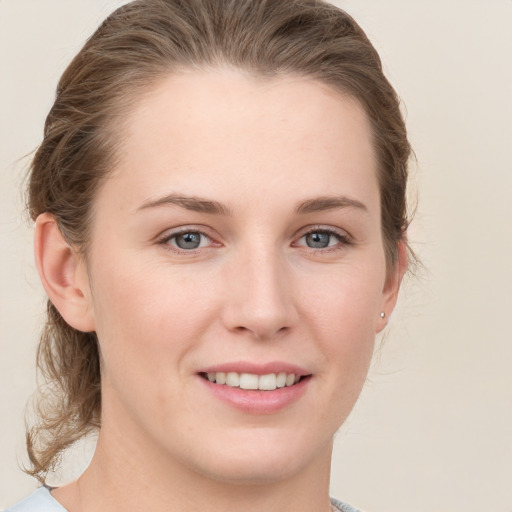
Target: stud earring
(382, 314)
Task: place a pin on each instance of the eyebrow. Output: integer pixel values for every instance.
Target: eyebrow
(320, 204)
(202, 205)
(193, 203)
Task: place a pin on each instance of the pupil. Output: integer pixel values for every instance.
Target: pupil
(318, 240)
(188, 240)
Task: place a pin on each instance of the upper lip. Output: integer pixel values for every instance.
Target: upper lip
(256, 368)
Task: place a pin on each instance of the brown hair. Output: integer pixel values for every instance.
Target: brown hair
(135, 46)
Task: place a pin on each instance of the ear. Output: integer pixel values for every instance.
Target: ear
(63, 274)
(392, 286)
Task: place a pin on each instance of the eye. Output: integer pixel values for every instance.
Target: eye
(191, 240)
(318, 240)
(187, 240)
(322, 239)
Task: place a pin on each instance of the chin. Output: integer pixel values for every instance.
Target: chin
(255, 471)
(265, 460)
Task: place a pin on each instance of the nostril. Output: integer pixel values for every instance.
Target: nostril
(264, 332)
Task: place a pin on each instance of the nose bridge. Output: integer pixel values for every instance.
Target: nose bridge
(260, 298)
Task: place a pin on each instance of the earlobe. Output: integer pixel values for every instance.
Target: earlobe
(62, 274)
(392, 287)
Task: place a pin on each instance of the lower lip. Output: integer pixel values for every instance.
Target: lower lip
(255, 401)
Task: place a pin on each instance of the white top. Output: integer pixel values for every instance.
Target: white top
(42, 501)
(39, 501)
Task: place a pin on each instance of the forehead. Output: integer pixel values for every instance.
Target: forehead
(221, 128)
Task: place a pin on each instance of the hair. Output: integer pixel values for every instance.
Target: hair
(136, 46)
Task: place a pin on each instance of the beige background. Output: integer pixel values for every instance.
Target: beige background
(433, 429)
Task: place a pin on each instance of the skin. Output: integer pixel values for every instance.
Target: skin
(254, 290)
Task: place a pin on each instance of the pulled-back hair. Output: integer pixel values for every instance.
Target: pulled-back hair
(135, 47)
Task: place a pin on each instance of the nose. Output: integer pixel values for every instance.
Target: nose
(259, 298)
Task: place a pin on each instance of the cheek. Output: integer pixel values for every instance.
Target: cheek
(146, 327)
(146, 318)
(343, 317)
(348, 300)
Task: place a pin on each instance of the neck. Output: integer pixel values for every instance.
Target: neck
(133, 476)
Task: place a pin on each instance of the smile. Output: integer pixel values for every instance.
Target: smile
(256, 388)
(251, 381)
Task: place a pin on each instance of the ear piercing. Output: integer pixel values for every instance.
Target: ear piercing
(382, 314)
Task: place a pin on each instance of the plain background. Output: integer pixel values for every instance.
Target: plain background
(433, 428)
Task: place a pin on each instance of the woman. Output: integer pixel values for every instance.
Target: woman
(220, 227)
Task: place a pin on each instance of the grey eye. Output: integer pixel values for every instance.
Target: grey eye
(188, 240)
(318, 239)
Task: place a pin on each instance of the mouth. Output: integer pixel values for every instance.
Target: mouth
(254, 382)
(261, 389)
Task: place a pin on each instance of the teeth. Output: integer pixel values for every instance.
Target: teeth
(232, 379)
(281, 380)
(252, 381)
(248, 381)
(268, 382)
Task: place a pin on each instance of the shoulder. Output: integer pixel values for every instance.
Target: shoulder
(39, 501)
(339, 506)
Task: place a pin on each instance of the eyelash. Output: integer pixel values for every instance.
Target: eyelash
(342, 237)
(164, 240)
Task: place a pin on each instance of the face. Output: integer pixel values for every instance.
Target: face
(237, 245)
